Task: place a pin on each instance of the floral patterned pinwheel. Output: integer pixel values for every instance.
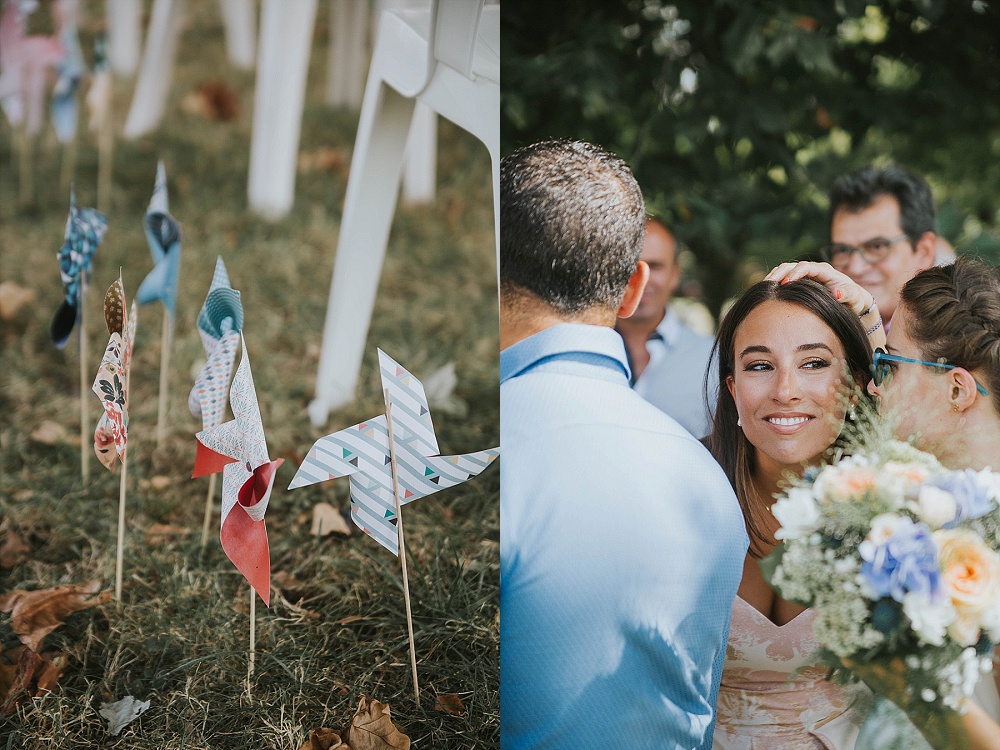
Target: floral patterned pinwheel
(238, 449)
(219, 324)
(111, 384)
(164, 238)
(85, 229)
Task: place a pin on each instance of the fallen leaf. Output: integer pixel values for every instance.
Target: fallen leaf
(29, 676)
(13, 298)
(122, 713)
(450, 704)
(287, 584)
(323, 739)
(327, 520)
(372, 728)
(13, 549)
(49, 433)
(160, 533)
(160, 482)
(35, 614)
(23, 495)
(439, 387)
(214, 100)
(323, 159)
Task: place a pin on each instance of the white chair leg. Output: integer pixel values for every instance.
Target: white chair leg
(347, 63)
(239, 21)
(421, 158)
(283, 62)
(157, 67)
(364, 232)
(124, 18)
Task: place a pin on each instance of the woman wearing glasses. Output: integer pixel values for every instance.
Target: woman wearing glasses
(786, 354)
(943, 355)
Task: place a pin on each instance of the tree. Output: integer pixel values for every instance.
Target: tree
(737, 116)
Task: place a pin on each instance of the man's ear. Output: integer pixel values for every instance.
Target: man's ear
(926, 250)
(634, 289)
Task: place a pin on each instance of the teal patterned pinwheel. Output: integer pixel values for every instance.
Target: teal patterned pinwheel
(164, 237)
(85, 229)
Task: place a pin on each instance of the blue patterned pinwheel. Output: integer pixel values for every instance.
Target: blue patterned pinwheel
(85, 229)
(219, 325)
(362, 452)
(70, 68)
(164, 238)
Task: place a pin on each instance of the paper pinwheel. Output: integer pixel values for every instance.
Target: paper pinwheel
(237, 448)
(70, 69)
(219, 324)
(84, 231)
(164, 238)
(362, 452)
(98, 98)
(23, 63)
(111, 385)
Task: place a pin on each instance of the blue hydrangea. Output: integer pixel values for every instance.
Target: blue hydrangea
(973, 495)
(906, 562)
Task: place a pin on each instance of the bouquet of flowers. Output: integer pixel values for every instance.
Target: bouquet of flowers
(898, 558)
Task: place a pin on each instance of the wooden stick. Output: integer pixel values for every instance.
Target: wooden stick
(84, 385)
(208, 511)
(26, 173)
(165, 346)
(68, 164)
(253, 635)
(402, 548)
(105, 159)
(121, 531)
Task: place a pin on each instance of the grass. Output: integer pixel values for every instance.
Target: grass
(180, 636)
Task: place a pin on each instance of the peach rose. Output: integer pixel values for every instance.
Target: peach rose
(970, 573)
(845, 483)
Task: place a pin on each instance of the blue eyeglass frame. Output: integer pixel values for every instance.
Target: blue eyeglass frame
(879, 371)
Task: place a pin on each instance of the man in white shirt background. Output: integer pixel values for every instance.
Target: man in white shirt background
(668, 358)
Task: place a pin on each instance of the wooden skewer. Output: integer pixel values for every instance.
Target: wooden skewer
(208, 511)
(84, 384)
(166, 345)
(402, 548)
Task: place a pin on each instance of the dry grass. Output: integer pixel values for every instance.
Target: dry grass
(180, 637)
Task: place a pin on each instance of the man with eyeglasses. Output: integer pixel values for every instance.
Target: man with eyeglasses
(881, 230)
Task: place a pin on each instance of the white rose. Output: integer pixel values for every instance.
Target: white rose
(990, 620)
(929, 621)
(935, 506)
(797, 513)
(986, 478)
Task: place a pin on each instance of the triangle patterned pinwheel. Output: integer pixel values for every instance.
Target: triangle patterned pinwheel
(238, 449)
(219, 324)
(164, 238)
(85, 229)
(362, 453)
(111, 384)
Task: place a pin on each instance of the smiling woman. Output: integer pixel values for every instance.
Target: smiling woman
(790, 358)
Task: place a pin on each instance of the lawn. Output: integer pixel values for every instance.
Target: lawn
(336, 627)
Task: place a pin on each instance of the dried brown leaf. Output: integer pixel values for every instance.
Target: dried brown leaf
(214, 100)
(450, 703)
(29, 675)
(160, 482)
(49, 433)
(13, 549)
(35, 614)
(327, 520)
(324, 159)
(372, 728)
(161, 533)
(322, 738)
(13, 298)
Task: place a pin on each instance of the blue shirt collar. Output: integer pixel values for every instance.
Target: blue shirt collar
(596, 343)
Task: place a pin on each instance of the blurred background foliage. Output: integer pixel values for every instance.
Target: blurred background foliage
(737, 116)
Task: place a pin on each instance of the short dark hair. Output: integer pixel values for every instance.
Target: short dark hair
(727, 442)
(572, 222)
(858, 190)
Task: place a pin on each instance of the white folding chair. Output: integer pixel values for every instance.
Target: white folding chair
(447, 58)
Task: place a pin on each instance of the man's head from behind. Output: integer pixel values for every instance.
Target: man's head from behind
(572, 220)
(882, 230)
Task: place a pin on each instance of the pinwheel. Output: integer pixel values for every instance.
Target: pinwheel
(164, 238)
(219, 324)
(391, 460)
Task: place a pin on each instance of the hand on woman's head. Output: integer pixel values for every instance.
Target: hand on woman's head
(841, 286)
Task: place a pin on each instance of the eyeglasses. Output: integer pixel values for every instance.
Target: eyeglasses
(882, 367)
(874, 250)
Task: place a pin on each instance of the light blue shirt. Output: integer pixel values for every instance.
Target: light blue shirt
(674, 379)
(621, 549)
